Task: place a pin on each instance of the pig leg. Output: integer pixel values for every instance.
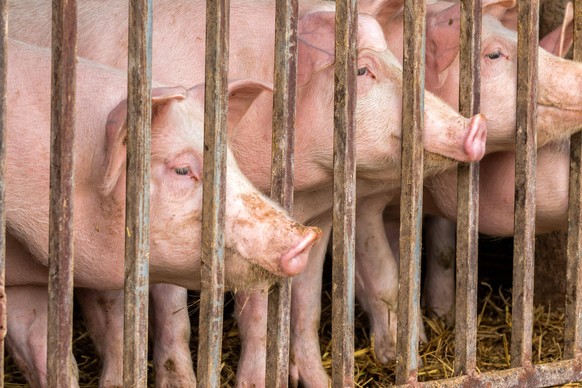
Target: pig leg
(26, 339)
(103, 314)
(305, 354)
(251, 314)
(439, 286)
(103, 311)
(377, 276)
(171, 336)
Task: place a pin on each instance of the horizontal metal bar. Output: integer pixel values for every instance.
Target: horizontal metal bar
(542, 375)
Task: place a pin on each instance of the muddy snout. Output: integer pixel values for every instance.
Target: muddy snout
(295, 259)
(474, 144)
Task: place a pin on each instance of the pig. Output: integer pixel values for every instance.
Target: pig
(262, 242)
(178, 58)
(559, 115)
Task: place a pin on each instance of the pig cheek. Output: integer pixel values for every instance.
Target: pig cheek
(239, 274)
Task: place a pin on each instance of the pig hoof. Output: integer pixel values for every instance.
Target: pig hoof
(382, 351)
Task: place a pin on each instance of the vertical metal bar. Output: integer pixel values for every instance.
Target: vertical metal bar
(60, 308)
(213, 199)
(137, 193)
(468, 195)
(525, 180)
(411, 194)
(3, 68)
(573, 319)
(344, 188)
(277, 374)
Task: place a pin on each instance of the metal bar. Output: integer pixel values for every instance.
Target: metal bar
(344, 188)
(468, 196)
(411, 194)
(573, 314)
(213, 199)
(284, 107)
(3, 130)
(542, 375)
(60, 288)
(525, 180)
(137, 193)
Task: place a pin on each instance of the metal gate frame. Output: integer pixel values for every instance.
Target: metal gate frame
(522, 371)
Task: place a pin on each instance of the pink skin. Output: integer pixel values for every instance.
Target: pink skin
(556, 120)
(178, 48)
(260, 237)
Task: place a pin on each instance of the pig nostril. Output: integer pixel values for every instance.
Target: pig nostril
(295, 260)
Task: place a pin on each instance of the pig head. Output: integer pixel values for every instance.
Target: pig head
(559, 104)
(260, 238)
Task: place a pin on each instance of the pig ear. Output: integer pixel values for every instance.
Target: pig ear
(443, 30)
(504, 10)
(241, 95)
(116, 133)
(316, 41)
(559, 41)
(383, 11)
(497, 8)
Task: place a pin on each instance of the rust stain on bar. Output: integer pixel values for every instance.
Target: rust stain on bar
(468, 196)
(213, 199)
(411, 195)
(3, 128)
(344, 187)
(284, 107)
(573, 315)
(60, 308)
(137, 193)
(525, 180)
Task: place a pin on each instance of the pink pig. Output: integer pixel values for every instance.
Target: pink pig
(178, 58)
(559, 115)
(262, 241)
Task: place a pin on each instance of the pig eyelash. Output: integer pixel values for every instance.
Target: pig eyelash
(495, 55)
(182, 170)
(364, 71)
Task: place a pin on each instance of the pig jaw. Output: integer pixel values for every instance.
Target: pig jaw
(559, 98)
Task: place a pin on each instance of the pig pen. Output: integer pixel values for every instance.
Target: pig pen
(493, 313)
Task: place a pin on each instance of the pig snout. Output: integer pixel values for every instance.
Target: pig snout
(295, 260)
(474, 143)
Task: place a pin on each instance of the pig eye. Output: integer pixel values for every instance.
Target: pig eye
(362, 70)
(182, 170)
(494, 55)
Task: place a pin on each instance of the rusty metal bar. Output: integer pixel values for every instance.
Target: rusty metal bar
(60, 288)
(542, 375)
(411, 194)
(137, 200)
(213, 199)
(525, 180)
(284, 106)
(468, 195)
(3, 130)
(344, 188)
(573, 313)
